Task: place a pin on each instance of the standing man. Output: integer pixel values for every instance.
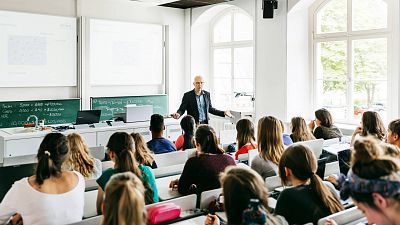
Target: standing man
(197, 103)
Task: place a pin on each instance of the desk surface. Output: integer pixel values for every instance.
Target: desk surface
(193, 221)
(335, 148)
(164, 192)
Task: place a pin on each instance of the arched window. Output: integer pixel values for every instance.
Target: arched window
(232, 60)
(351, 49)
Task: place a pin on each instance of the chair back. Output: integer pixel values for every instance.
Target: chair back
(171, 158)
(90, 209)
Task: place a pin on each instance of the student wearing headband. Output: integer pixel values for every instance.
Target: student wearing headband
(374, 183)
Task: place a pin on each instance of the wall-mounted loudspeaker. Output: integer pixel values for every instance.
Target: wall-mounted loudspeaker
(268, 8)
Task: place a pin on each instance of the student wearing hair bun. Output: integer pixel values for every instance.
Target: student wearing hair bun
(121, 149)
(373, 183)
(239, 185)
(125, 200)
(52, 196)
(201, 173)
(309, 199)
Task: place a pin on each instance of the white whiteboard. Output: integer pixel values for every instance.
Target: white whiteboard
(37, 50)
(123, 53)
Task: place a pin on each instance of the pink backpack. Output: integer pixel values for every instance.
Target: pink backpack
(163, 212)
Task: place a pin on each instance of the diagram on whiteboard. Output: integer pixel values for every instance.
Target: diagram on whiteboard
(124, 53)
(27, 50)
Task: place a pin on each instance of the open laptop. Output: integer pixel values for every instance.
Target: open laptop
(88, 116)
(315, 145)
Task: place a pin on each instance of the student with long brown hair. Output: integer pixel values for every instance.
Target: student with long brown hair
(121, 149)
(186, 139)
(201, 173)
(124, 202)
(323, 127)
(52, 195)
(374, 183)
(143, 154)
(309, 199)
(300, 130)
(245, 137)
(80, 159)
(371, 124)
(239, 185)
(270, 147)
(393, 136)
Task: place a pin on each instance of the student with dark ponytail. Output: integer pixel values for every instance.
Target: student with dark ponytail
(373, 183)
(186, 140)
(309, 199)
(52, 196)
(201, 173)
(122, 151)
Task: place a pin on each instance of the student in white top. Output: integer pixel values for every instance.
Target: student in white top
(52, 196)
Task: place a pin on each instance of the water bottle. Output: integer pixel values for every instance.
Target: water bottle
(254, 214)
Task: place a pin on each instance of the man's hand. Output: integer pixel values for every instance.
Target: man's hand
(228, 114)
(175, 115)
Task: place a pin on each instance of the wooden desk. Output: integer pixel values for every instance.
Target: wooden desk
(164, 192)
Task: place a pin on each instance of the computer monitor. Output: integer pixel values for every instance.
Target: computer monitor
(88, 116)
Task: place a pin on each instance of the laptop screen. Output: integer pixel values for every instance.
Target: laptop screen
(88, 116)
(321, 167)
(344, 158)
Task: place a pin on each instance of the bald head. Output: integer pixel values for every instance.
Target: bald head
(198, 83)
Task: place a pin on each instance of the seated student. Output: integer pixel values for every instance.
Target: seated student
(245, 137)
(393, 135)
(309, 199)
(270, 147)
(325, 128)
(287, 140)
(239, 185)
(158, 144)
(143, 154)
(125, 200)
(373, 183)
(79, 158)
(52, 196)
(122, 152)
(371, 124)
(201, 173)
(186, 140)
(300, 131)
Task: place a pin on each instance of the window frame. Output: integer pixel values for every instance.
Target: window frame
(232, 45)
(391, 35)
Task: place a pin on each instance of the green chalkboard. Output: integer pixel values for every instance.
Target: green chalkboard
(15, 113)
(111, 105)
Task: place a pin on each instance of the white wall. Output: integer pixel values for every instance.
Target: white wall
(122, 10)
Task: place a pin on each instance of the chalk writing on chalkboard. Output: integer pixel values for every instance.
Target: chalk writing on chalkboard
(111, 105)
(15, 113)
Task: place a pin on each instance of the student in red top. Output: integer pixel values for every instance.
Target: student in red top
(186, 139)
(245, 137)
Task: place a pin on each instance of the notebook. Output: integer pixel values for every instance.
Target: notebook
(88, 116)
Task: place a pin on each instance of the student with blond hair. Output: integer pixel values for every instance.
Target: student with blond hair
(124, 201)
(143, 154)
(300, 130)
(245, 137)
(309, 199)
(240, 185)
(80, 159)
(121, 149)
(270, 147)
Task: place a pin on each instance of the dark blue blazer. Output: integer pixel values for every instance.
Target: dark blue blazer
(189, 104)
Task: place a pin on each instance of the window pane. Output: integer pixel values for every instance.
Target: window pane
(332, 96)
(223, 93)
(243, 86)
(243, 67)
(222, 63)
(332, 60)
(243, 27)
(370, 58)
(222, 102)
(369, 14)
(332, 17)
(222, 29)
(370, 95)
